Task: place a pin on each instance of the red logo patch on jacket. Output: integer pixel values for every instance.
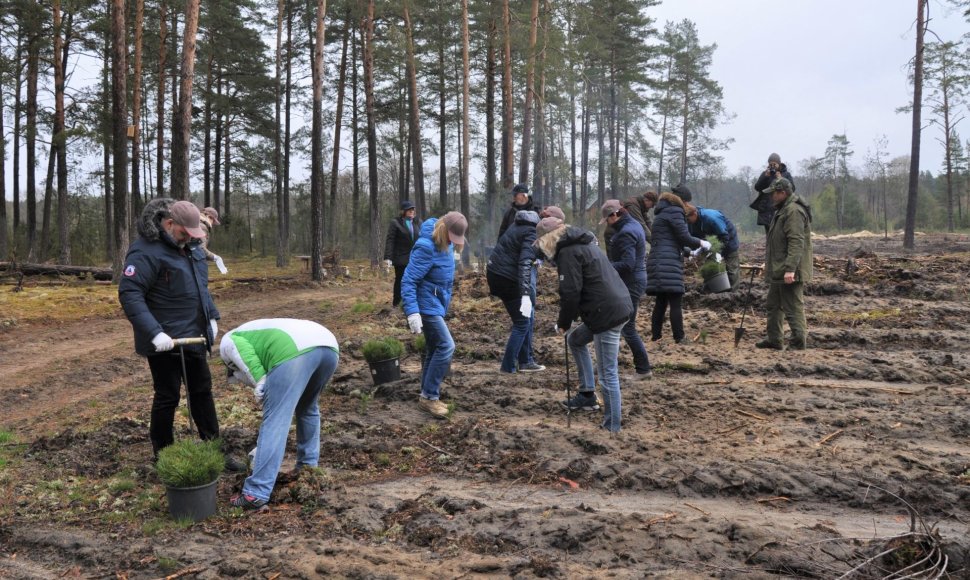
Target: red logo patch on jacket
(129, 270)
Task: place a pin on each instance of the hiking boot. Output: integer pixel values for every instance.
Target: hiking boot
(248, 502)
(582, 402)
(531, 368)
(797, 344)
(682, 340)
(768, 344)
(436, 408)
(234, 465)
(645, 375)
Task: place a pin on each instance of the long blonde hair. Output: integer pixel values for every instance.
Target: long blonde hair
(440, 236)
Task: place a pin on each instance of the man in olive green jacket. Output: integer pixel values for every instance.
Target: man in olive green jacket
(788, 265)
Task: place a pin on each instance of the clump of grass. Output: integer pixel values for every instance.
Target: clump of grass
(325, 306)
(190, 463)
(378, 349)
(120, 486)
(362, 308)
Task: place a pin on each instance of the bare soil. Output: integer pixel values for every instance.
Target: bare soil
(732, 463)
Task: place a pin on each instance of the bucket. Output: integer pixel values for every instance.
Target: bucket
(385, 371)
(196, 503)
(718, 282)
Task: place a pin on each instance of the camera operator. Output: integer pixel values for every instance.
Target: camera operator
(762, 204)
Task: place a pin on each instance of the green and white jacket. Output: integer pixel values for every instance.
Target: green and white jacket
(254, 349)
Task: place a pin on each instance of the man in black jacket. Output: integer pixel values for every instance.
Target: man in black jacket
(590, 288)
(521, 201)
(401, 234)
(165, 295)
(762, 203)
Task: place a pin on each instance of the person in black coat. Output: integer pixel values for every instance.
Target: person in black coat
(521, 201)
(665, 266)
(590, 288)
(762, 203)
(402, 232)
(510, 276)
(628, 254)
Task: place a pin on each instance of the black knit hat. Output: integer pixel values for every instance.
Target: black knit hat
(520, 188)
(681, 191)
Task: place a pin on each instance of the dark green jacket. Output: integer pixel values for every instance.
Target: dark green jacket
(789, 245)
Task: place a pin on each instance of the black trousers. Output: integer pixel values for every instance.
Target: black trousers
(674, 301)
(398, 274)
(167, 377)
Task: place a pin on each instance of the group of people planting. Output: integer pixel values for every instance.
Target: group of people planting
(288, 362)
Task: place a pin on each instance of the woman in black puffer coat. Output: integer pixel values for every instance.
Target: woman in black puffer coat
(665, 264)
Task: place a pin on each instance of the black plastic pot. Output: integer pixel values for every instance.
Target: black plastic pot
(196, 503)
(385, 371)
(718, 282)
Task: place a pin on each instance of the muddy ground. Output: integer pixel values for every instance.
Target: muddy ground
(732, 463)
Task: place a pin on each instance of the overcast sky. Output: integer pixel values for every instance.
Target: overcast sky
(796, 72)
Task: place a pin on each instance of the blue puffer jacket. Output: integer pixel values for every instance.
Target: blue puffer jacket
(628, 251)
(665, 266)
(711, 222)
(164, 288)
(426, 285)
(514, 255)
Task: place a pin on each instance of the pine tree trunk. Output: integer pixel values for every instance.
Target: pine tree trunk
(442, 130)
(909, 233)
(530, 72)
(490, 168)
(278, 143)
(119, 115)
(17, 107)
(508, 153)
(136, 199)
(4, 246)
(355, 129)
(45, 227)
(59, 139)
(371, 131)
(584, 162)
(316, 140)
(182, 122)
(287, 133)
(106, 95)
(465, 123)
(207, 131)
(414, 115)
(160, 104)
(338, 122)
(33, 64)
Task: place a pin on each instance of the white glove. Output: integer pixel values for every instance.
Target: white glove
(259, 391)
(388, 264)
(525, 308)
(221, 265)
(236, 378)
(718, 258)
(695, 253)
(457, 256)
(163, 342)
(414, 323)
(705, 245)
(215, 328)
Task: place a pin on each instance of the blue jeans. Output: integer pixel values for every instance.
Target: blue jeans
(291, 390)
(641, 362)
(607, 346)
(518, 349)
(438, 348)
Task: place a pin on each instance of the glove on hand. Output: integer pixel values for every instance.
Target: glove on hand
(215, 328)
(414, 323)
(458, 256)
(695, 253)
(221, 265)
(705, 245)
(718, 258)
(388, 264)
(163, 342)
(525, 307)
(259, 390)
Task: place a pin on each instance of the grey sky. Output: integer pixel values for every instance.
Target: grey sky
(796, 72)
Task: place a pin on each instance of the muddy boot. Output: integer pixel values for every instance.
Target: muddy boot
(768, 344)
(797, 342)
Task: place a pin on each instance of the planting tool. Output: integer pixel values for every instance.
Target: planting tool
(565, 350)
(181, 342)
(739, 331)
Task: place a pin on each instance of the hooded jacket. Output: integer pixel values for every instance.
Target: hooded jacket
(665, 266)
(589, 287)
(789, 244)
(400, 240)
(762, 204)
(628, 251)
(426, 285)
(509, 218)
(638, 210)
(510, 264)
(165, 287)
(711, 222)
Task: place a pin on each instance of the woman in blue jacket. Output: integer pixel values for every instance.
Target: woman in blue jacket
(426, 295)
(665, 266)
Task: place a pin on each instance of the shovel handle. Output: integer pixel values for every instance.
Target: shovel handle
(188, 341)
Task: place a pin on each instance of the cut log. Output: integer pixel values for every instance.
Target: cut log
(55, 270)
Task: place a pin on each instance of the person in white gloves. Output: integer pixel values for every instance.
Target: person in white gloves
(402, 232)
(165, 295)
(209, 218)
(426, 295)
(665, 264)
(510, 275)
(288, 363)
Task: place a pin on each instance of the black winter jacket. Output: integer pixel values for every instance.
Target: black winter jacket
(762, 204)
(512, 260)
(628, 251)
(665, 266)
(165, 288)
(589, 287)
(398, 244)
(509, 218)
